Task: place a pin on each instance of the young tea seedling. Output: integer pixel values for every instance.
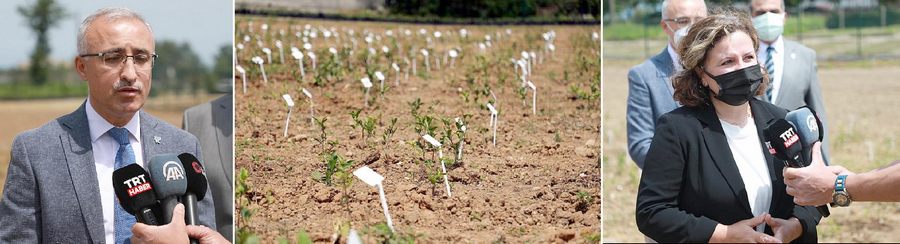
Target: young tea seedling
(437, 145)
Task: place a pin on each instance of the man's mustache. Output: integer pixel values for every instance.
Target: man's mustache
(125, 85)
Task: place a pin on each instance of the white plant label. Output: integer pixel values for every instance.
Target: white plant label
(366, 82)
(311, 110)
(493, 122)
(369, 176)
(372, 178)
(262, 68)
(288, 100)
(290, 104)
(299, 57)
(280, 50)
(306, 92)
(243, 77)
(268, 54)
(431, 140)
(312, 56)
(533, 97)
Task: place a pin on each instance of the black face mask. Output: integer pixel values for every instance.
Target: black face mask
(737, 87)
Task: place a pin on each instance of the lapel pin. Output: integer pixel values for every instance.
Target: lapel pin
(156, 139)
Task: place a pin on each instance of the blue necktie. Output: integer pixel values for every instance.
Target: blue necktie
(124, 156)
(770, 68)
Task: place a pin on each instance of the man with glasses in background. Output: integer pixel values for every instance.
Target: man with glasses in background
(59, 186)
(649, 83)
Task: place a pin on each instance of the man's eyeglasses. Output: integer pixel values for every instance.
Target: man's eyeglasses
(683, 21)
(114, 59)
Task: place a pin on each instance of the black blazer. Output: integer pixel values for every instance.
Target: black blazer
(691, 182)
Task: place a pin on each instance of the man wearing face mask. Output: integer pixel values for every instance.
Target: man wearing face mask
(649, 83)
(791, 66)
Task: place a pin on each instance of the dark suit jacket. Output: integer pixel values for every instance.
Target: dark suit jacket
(211, 123)
(52, 194)
(691, 182)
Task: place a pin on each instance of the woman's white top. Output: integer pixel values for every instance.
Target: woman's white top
(748, 155)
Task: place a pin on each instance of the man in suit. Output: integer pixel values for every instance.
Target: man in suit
(649, 83)
(792, 67)
(212, 123)
(59, 185)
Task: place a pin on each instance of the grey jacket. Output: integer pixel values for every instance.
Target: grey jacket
(800, 84)
(52, 194)
(212, 124)
(649, 97)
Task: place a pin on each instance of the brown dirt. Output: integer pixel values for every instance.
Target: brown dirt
(524, 189)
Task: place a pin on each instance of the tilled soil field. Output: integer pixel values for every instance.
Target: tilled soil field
(539, 183)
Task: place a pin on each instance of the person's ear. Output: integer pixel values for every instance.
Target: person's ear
(80, 68)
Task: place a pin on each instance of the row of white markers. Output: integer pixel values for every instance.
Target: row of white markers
(523, 67)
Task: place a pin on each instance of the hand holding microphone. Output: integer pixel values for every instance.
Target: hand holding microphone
(792, 139)
(148, 234)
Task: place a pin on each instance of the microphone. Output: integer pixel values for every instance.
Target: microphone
(134, 190)
(784, 143)
(196, 186)
(167, 174)
(809, 127)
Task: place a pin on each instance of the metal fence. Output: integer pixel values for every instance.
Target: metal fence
(871, 33)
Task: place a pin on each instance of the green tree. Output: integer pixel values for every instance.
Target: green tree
(178, 69)
(222, 69)
(40, 17)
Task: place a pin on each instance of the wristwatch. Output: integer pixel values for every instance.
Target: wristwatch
(841, 197)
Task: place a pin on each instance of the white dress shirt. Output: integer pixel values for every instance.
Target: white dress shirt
(104, 150)
(675, 60)
(751, 163)
(777, 63)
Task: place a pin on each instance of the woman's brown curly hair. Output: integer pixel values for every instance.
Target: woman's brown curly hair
(693, 48)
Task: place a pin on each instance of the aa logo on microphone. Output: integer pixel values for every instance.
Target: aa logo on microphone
(173, 171)
(811, 123)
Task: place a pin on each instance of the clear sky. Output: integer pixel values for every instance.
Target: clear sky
(205, 24)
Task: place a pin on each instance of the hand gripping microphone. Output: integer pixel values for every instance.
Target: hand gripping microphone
(810, 129)
(135, 192)
(784, 143)
(196, 186)
(168, 177)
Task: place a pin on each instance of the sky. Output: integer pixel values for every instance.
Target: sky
(205, 24)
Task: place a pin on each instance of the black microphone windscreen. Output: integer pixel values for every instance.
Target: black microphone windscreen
(195, 173)
(782, 138)
(133, 188)
(167, 175)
